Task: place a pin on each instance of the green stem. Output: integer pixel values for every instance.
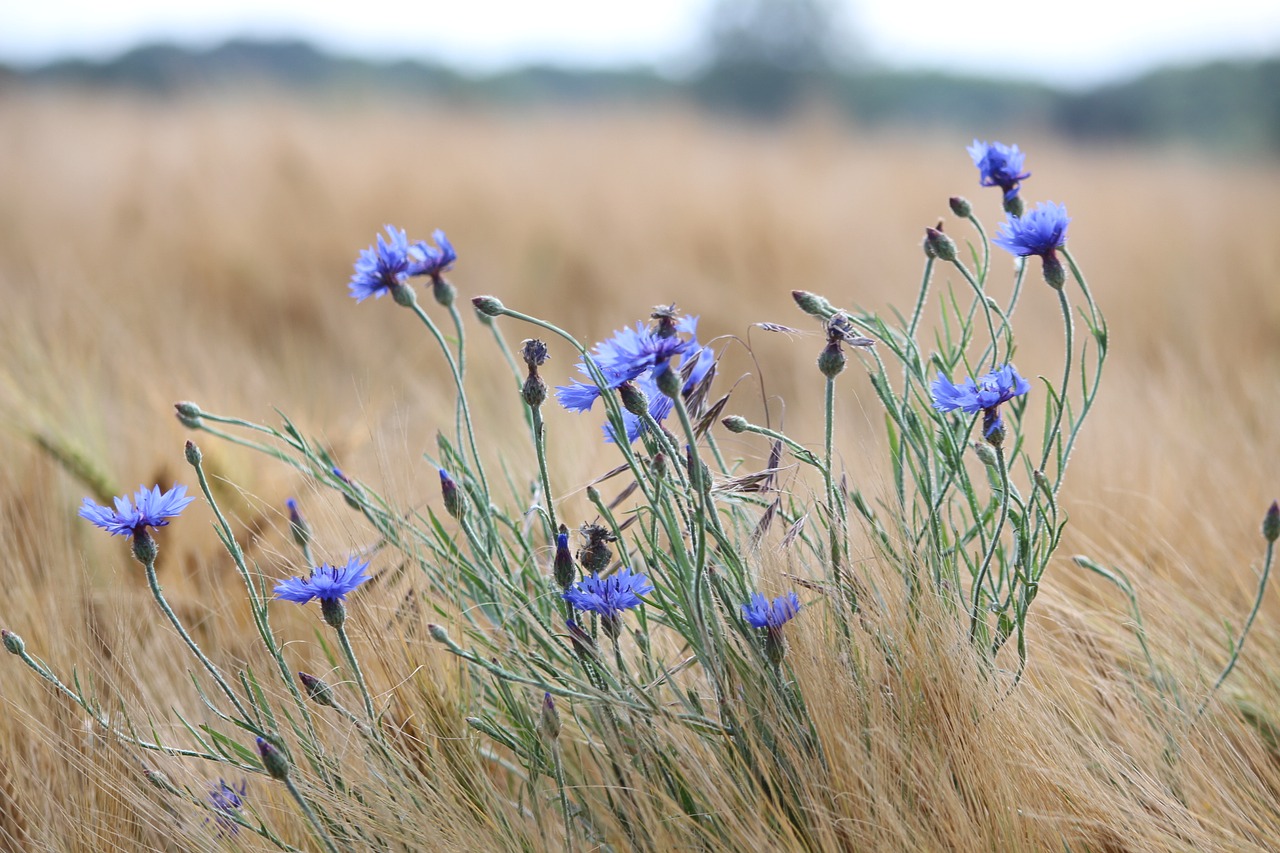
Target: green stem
(540, 445)
(311, 815)
(1235, 652)
(558, 765)
(350, 655)
(832, 512)
(191, 644)
(1069, 333)
(981, 577)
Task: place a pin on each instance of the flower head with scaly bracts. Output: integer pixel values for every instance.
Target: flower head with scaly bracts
(999, 165)
(609, 596)
(985, 395)
(433, 261)
(383, 266)
(327, 583)
(761, 613)
(149, 508)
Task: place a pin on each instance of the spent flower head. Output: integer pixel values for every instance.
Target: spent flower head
(999, 165)
(326, 582)
(382, 267)
(149, 508)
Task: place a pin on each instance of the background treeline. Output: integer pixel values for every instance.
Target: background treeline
(1229, 105)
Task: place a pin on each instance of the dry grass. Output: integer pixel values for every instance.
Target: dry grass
(199, 251)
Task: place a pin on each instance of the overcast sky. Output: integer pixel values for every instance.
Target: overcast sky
(1074, 43)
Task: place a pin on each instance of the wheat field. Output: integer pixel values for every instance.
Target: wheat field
(156, 252)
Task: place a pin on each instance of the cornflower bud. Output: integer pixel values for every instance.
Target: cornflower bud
(298, 525)
(488, 305)
(1271, 523)
(564, 569)
(633, 399)
(813, 304)
(273, 760)
(454, 503)
(985, 454)
(960, 206)
(12, 642)
(193, 454)
(549, 719)
(942, 246)
(188, 414)
(736, 423)
(317, 690)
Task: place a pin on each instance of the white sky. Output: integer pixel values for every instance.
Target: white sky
(1071, 42)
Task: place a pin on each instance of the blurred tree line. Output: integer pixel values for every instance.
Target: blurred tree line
(763, 59)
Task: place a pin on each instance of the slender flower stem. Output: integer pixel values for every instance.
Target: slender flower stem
(311, 815)
(191, 644)
(1244, 633)
(981, 577)
(986, 310)
(350, 655)
(834, 514)
(540, 445)
(462, 401)
(1069, 332)
(920, 300)
(558, 766)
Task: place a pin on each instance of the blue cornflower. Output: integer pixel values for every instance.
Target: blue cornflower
(1041, 231)
(382, 267)
(433, 261)
(1000, 166)
(227, 799)
(983, 395)
(642, 355)
(762, 613)
(327, 583)
(608, 596)
(150, 508)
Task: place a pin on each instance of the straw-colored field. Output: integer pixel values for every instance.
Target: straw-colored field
(153, 253)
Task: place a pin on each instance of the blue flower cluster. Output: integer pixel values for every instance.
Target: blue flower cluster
(391, 261)
(327, 583)
(982, 395)
(226, 800)
(999, 165)
(641, 355)
(149, 508)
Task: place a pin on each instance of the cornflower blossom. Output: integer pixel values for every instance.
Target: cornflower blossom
(1041, 232)
(641, 355)
(433, 261)
(999, 165)
(382, 267)
(226, 800)
(149, 508)
(609, 597)
(327, 583)
(761, 613)
(982, 395)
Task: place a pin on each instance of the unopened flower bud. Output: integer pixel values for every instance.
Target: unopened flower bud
(193, 454)
(735, 423)
(658, 466)
(188, 414)
(633, 399)
(317, 690)
(438, 633)
(12, 642)
(298, 525)
(564, 569)
(1271, 523)
(985, 454)
(488, 305)
(1042, 481)
(549, 719)
(940, 245)
(960, 206)
(813, 304)
(454, 503)
(273, 760)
